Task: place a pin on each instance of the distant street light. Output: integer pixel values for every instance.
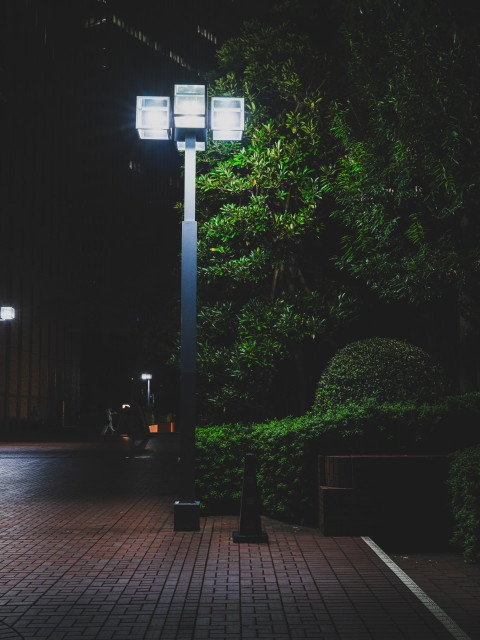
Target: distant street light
(190, 133)
(147, 377)
(7, 313)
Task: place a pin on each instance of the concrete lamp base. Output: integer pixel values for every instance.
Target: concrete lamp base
(186, 516)
(249, 537)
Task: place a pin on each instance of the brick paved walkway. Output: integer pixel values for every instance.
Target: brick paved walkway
(452, 582)
(87, 550)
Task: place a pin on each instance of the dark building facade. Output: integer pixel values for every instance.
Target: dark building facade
(39, 355)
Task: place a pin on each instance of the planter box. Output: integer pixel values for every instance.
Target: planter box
(393, 499)
(162, 427)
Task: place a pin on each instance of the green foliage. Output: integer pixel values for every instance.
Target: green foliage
(464, 482)
(408, 136)
(383, 369)
(240, 349)
(287, 450)
(219, 465)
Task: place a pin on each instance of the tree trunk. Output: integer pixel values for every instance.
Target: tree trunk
(468, 353)
(297, 350)
(301, 378)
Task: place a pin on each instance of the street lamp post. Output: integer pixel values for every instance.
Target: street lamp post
(147, 377)
(190, 133)
(7, 314)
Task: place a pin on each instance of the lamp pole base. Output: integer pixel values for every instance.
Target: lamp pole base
(249, 537)
(186, 516)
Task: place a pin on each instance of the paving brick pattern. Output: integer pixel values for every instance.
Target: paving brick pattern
(452, 582)
(87, 551)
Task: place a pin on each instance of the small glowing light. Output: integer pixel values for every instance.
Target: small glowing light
(146, 376)
(153, 428)
(154, 134)
(7, 313)
(227, 134)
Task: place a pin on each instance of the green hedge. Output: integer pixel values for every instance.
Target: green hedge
(219, 466)
(464, 484)
(287, 449)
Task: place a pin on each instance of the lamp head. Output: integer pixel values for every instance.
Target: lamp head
(227, 118)
(153, 117)
(189, 108)
(190, 114)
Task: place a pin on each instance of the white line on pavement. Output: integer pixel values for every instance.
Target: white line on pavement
(432, 606)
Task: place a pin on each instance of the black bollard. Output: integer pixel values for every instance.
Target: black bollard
(250, 528)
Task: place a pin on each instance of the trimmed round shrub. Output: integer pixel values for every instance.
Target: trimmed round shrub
(382, 369)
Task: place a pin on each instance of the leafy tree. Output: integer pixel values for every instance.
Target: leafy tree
(406, 184)
(266, 289)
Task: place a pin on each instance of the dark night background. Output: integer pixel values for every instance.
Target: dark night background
(89, 236)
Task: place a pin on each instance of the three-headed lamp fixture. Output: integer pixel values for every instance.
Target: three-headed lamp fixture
(226, 119)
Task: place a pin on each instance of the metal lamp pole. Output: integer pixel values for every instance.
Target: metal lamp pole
(190, 130)
(186, 509)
